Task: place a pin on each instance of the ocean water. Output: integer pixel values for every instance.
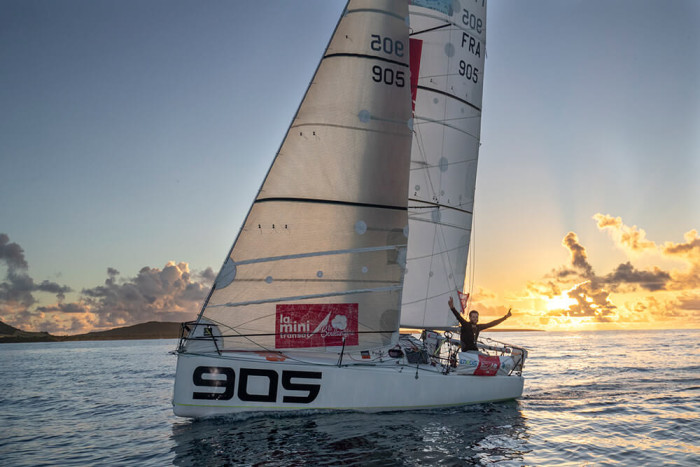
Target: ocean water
(591, 398)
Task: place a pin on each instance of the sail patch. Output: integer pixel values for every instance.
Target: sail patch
(316, 325)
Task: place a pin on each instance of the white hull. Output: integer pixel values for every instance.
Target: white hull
(250, 382)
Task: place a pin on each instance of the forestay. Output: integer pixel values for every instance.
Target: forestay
(321, 254)
(447, 50)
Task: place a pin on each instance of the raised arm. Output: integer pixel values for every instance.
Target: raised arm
(459, 317)
(496, 321)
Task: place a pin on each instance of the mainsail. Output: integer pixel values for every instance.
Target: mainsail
(447, 124)
(320, 259)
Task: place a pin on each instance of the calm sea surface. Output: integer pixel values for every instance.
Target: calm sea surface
(591, 398)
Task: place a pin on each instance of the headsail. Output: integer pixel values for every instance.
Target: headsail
(447, 126)
(321, 254)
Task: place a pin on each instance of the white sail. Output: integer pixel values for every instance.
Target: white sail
(319, 260)
(447, 124)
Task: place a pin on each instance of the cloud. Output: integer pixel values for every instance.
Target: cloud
(591, 302)
(579, 258)
(673, 296)
(172, 293)
(689, 253)
(632, 238)
(12, 254)
(625, 273)
(18, 287)
(689, 302)
(168, 294)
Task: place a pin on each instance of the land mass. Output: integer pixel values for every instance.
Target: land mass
(150, 330)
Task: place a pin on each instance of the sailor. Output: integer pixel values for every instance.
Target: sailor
(470, 329)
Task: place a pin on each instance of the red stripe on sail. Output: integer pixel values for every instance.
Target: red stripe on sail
(415, 47)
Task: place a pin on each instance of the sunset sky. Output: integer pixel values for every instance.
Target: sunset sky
(135, 134)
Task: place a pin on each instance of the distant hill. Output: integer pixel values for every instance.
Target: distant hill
(10, 334)
(150, 330)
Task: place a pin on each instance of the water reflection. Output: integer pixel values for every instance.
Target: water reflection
(483, 433)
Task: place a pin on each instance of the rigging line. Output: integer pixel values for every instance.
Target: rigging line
(472, 259)
(330, 201)
(456, 119)
(425, 300)
(424, 165)
(218, 323)
(318, 253)
(450, 23)
(447, 125)
(370, 57)
(429, 30)
(440, 233)
(436, 205)
(444, 224)
(306, 297)
(427, 288)
(447, 94)
(422, 153)
(285, 333)
(448, 250)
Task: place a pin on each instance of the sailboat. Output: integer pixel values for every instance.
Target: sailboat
(360, 230)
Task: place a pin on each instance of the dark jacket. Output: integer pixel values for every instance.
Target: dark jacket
(470, 332)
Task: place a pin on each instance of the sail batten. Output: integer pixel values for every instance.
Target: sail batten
(306, 297)
(330, 201)
(451, 96)
(369, 57)
(318, 253)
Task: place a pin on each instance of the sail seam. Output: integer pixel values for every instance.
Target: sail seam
(348, 127)
(447, 94)
(438, 205)
(331, 201)
(443, 224)
(318, 253)
(428, 30)
(371, 57)
(306, 297)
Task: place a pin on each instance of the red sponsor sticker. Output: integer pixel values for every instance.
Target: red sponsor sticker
(315, 325)
(488, 366)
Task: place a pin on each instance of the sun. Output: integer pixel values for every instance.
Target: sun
(560, 302)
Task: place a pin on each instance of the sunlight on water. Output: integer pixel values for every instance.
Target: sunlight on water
(590, 398)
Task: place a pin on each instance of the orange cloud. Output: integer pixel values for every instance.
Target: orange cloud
(630, 238)
(614, 296)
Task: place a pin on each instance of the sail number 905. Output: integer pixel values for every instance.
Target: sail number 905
(468, 71)
(388, 76)
(386, 45)
(266, 389)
